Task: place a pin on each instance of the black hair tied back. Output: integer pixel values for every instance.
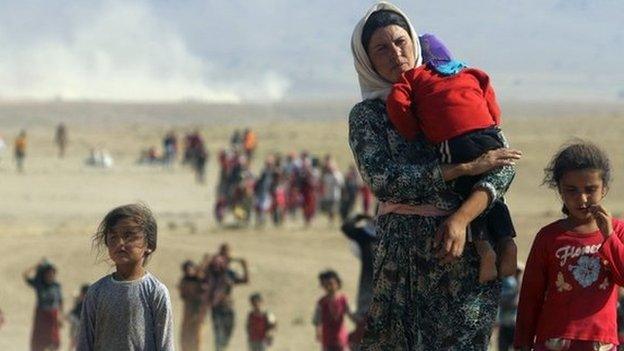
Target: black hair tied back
(381, 19)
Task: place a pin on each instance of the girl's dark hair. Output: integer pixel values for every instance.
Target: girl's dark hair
(381, 19)
(329, 274)
(139, 213)
(575, 156)
(42, 270)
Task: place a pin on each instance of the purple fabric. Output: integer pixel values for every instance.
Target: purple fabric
(434, 51)
(438, 56)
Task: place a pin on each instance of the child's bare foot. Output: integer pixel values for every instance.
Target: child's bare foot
(487, 263)
(508, 258)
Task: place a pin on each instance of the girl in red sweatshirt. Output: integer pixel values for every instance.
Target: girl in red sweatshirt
(570, 286)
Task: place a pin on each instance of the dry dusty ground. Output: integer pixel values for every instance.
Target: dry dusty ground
(52, 209)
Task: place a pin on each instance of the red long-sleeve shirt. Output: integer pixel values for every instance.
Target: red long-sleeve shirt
(440, 106)
(569, 288)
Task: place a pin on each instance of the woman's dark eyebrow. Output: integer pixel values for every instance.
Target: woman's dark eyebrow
(398, 36)
(378, 46)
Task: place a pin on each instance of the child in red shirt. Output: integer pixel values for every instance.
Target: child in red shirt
(329, 314)
(260, 325)
(455, 108)
(570, 286)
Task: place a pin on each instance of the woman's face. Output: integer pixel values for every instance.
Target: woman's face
(391, 52)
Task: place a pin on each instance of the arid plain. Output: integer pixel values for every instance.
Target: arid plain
(52, 209)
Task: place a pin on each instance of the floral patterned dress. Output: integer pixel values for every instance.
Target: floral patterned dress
(418, 304)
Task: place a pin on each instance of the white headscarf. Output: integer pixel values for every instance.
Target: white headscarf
(372, 85)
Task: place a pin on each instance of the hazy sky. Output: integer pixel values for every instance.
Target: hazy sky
(240, 50)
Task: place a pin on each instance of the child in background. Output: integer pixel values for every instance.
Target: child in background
(570, 285)
(129, 309)
(192, 295)
(260, 325)
(74, 317)
(329, 314)
(456, 110)
(221, 279)
(20, 150)
(360, 229)
(507, 309)
(47, 323)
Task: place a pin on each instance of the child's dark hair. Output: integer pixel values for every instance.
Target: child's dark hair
(255, 297)
(187, 264)
(84, 288)
(329, 274)
(574, 156)
(140, 214)
(42, 270)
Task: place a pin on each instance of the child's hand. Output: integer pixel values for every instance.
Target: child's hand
(604, 220)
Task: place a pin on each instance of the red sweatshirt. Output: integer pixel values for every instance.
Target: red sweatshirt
(569, 288)
(442, 107)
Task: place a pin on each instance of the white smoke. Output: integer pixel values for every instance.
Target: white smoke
(122, 51)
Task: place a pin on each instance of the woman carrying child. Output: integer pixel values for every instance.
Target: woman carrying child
(426, 293)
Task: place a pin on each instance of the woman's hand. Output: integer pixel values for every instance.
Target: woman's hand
(450, 239)
(603, 218)
(493, 159)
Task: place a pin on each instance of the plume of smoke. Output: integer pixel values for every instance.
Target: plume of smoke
(122, 51)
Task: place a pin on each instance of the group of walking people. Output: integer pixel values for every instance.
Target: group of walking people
(193, 150)
(101, 319)
(286, 185)
(207, 287)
